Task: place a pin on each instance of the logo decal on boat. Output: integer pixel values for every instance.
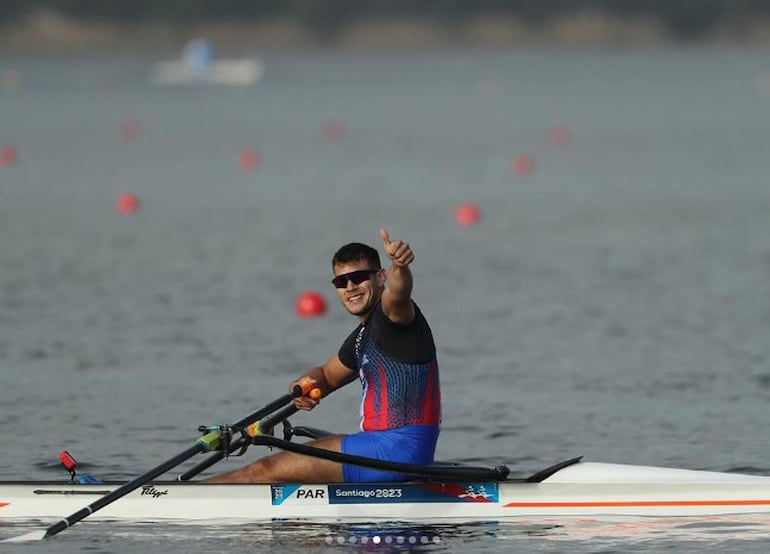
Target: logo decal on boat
(410, 493)
(311, 493)
(3, 504)
(299, 494)
(150, 490)
(475, 492)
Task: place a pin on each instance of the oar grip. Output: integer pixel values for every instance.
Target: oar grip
(306, 387)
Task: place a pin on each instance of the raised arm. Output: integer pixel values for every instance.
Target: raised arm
(397, 296)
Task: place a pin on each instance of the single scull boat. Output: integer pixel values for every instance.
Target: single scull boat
(571, 488)
(440, 492)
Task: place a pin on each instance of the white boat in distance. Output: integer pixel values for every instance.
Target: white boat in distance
(233, 72)
(570, 489)
(198, 65)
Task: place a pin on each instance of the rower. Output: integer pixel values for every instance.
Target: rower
(392, 353)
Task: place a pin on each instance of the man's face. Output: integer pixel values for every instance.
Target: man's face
(358, 286)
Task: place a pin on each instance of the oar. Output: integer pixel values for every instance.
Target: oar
(263, 426)
(208, 442)
(437, 471)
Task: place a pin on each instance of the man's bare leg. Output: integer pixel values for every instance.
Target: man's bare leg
(288, 467)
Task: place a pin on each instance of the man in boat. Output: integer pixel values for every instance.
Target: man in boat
(392, 353)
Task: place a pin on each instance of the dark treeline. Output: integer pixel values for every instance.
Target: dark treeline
(684, 17)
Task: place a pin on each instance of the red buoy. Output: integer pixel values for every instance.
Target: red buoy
(334, 131)
(8, 155)
(467, 214)
(249, 160)
(523, 165)
(129, 130)
(558, 136)
(127, 204)
(310, 304)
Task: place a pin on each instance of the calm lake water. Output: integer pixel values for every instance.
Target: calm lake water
(614, 303)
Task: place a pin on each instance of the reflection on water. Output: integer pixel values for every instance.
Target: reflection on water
(632, 530)
(389, 536)
(583, 534)
(546, 534)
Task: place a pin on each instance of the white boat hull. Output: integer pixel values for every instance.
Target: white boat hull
(580, 490)
(234, 72)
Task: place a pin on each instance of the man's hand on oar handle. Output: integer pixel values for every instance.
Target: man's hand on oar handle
(309, 393)
(398, 251)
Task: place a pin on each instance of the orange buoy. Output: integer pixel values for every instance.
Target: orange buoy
(523, 165)
(334, 131)
(249, 160)
(8, 155)
(310, 304)
(467, 214)
(558, 136)
(127, 204)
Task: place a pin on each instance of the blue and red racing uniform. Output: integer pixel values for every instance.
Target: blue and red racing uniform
(401, 400)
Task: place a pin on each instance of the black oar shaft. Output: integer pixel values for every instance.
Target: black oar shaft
(271, 421)
(447, 473)
(269, 409)
(202, 445)
(123, 490)
(208, 462)
(265, 426)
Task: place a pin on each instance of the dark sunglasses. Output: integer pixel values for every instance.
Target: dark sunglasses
(356, 277)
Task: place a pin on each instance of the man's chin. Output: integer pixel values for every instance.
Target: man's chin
(358, 310)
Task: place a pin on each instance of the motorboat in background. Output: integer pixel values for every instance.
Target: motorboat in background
(198, 65)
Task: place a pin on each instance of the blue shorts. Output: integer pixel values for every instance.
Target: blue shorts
(413, 444)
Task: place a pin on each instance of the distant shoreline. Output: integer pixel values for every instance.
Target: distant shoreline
(52, 33)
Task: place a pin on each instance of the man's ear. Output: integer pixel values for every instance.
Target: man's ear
(381, 277)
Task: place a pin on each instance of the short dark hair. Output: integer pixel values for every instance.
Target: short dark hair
(355, 251)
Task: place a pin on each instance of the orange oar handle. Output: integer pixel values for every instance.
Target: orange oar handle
(306, 387)
(265, 426)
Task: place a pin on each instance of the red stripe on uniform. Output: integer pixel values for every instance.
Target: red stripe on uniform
(382, 376)
(427, 414)
(368, 421)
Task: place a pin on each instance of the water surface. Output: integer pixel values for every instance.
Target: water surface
(612, 304)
